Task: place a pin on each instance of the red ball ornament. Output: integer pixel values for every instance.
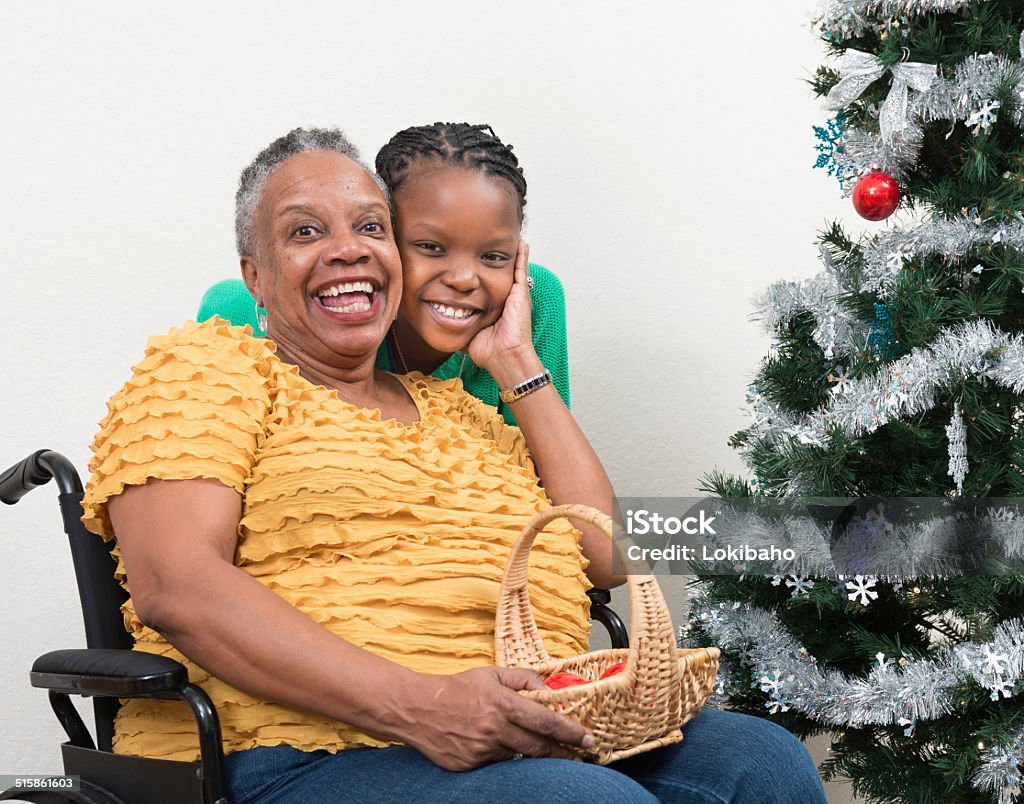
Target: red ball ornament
(876, 196)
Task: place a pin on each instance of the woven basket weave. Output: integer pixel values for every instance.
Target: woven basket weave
(644, 706)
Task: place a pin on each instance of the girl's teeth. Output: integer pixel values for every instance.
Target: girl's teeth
(358, 307)
(452, 312)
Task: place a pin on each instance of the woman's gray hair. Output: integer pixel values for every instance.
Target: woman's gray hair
(254, 177)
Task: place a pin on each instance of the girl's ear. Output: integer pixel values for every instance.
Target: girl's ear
(250, 275)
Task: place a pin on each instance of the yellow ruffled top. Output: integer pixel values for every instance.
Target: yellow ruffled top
(392, 536)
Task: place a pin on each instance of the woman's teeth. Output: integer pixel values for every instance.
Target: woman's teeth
(359, 301)
(347, 287)
(452, 312)
(357, 307)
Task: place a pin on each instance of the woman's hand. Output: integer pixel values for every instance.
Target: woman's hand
(469, 719)
(509, 338)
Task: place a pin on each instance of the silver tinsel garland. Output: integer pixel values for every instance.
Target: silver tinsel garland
(952, 238)
(1000, 769)
(975, 81)
(846, 18)
(907, 386)
(899, 690)
(862, 149)
(836, 328)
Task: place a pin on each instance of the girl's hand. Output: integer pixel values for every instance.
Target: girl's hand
(510, 337)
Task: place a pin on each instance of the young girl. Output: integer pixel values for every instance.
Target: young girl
(458, 195)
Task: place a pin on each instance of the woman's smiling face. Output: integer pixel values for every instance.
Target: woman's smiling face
(325, 266)
(457, 231)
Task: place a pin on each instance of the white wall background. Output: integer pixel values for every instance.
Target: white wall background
(667, 146)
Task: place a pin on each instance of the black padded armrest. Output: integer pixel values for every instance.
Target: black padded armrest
(94, 671)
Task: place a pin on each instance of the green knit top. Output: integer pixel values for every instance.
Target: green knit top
(231, 300)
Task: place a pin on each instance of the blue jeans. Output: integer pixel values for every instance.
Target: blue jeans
(724, 757)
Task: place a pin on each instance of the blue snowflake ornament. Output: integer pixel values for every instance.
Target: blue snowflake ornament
(830, 143)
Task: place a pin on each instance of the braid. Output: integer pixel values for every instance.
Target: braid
(476, 147)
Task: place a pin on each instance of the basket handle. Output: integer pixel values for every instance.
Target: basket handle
(652, 640)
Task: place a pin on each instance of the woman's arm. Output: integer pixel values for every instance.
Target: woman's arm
(567, 465)
(178, 542)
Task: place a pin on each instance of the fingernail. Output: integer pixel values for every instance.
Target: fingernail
(588, 741)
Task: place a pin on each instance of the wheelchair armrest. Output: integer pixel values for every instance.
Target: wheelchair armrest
(130, 674)
(96, 671)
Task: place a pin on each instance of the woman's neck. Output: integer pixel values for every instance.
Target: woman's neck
(410, 351)
(357, 380)
(362, 387)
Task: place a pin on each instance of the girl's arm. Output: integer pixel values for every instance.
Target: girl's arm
(567, 465)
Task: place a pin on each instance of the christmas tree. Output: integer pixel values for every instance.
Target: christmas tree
(898, 372)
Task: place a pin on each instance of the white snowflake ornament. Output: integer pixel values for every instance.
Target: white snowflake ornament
(995, 662)
(1003, 687)
(983, 117)
(774, 706)
(861, 587)
(839, 376)
(769, 683)
(799, 584)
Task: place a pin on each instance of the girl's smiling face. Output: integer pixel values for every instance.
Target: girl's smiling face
(457, 231)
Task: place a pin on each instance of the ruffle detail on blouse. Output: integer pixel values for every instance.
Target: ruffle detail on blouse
(193, 408)
(393, 537)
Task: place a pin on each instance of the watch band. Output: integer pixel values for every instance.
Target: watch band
(510, 395)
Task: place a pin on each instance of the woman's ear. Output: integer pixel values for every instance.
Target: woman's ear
(251, 277)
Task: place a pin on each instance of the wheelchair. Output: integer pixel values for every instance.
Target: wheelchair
(107, 670)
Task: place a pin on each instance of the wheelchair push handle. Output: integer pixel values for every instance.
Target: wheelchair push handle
(36, 470)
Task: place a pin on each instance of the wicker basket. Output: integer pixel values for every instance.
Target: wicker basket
(644, 706)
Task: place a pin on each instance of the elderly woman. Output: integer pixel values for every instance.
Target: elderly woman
(321, 543)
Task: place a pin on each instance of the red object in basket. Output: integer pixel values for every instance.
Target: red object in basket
(561, 680)
(614, 670)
